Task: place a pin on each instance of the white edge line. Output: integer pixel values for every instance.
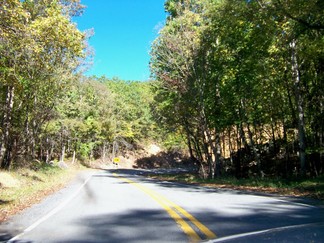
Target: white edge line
(237, 236)
(51, 213)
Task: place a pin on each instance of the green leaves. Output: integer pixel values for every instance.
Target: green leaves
(226, 63)
(97, 112)
(40, 50)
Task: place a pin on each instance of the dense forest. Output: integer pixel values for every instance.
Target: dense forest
(240, 83)
(49, 110)
(244, 81)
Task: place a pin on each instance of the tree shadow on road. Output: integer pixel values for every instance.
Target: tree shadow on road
(156, 226)
(236, 215)
(4, 236)
(142, 176)
(132, 226)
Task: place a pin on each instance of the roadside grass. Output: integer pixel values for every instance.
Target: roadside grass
(308, 187)
(23, 187)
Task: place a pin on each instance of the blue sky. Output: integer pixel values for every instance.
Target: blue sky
(124, 31)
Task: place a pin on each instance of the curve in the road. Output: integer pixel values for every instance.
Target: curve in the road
(175, 212)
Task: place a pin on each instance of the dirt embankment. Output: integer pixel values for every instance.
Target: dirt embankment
(150, 157)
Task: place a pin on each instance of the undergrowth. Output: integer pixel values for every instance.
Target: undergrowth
(309, 187)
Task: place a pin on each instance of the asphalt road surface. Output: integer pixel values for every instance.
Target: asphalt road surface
(122, 206)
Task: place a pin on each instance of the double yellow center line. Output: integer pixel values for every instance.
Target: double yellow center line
(175, 212)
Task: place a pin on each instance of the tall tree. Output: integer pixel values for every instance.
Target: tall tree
(244, 65)
(38, 59)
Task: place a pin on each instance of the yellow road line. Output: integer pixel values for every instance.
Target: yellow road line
(168, 205)
(203, 228)
(193, 236)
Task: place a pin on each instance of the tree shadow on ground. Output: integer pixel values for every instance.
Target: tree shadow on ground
(3, 202)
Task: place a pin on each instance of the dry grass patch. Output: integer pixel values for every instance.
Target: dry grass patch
(7, 180)
(24, 187)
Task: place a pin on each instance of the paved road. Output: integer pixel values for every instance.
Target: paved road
(122, 206)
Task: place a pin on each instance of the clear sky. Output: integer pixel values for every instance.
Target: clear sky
(124, 31)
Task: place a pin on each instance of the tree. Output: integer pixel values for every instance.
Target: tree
(245, 66)
(178, 62)
(38, 60)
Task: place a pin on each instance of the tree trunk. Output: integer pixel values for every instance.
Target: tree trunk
(73, 158)
(103, 156)
(321, 142)
(208, 157)
(198, 149)
(62, 154)
(230, 147)
(300, 107)
(218, 152)
(273, 136)
(7, 157)
(27, 132)
(256, 153)
(237, 160)
(286, 147)
(7, 136)
(243, 137)
(210, 150)
(321, 153)
(189, 139)
(47, 159)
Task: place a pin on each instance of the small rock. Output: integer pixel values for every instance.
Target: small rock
(6, 180)
(62, 165)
